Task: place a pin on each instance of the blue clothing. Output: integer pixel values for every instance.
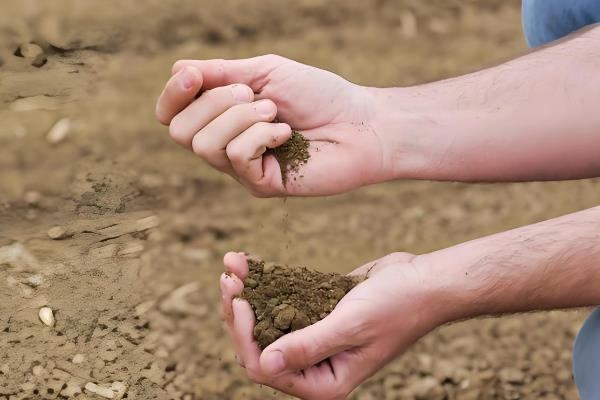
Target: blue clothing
(545, 21)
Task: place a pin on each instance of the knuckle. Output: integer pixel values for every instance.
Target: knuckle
(235, 153)
(200, 147)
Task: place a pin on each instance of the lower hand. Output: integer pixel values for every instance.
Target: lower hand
(375, 322)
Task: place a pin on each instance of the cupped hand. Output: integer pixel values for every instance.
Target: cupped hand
(375, 322)
(248, 106)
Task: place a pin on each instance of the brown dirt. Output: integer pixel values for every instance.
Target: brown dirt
(292, 155)
(136, 300)
(286, 299)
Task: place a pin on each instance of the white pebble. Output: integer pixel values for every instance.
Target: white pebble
(38, 370)
(30, 50)
(59, 131)
(99, 390)
(47, 316)
(57, 233)
(78, 358)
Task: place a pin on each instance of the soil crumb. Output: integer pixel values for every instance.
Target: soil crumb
(286, 299)
(292, 154)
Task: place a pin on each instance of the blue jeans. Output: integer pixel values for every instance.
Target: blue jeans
(586, 358)
(545, 21)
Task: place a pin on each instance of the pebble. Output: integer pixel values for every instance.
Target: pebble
(47, 316)
(58, 232)
(39, 61)
(512, 375)
(100, 391)
(32, 197)
(29, 50)
(4, 369)
(59, 131)
(38, 370)
(78, 358)
(35, 280)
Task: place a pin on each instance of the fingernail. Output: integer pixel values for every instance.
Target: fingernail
(274, 362)
(265, 108)
(240, 93)
(188, 78)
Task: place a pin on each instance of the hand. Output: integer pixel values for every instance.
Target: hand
(375, 322)
(231, 124)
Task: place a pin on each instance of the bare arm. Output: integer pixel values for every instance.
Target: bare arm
(533, 118)
(549, 265)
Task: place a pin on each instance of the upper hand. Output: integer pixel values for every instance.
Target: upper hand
(375, 322)
(231, 124)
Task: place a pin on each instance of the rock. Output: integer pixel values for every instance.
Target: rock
(40, 61)
(4, 369)
(35, 280)
(47, 316)
(59, 131)
(512, 375)
(78, 358)
(58, 233)
(29, 50)
(101, 391)
(38, 370)
(32, 197)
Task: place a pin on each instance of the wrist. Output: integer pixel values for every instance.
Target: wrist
(454, 295)
(411, 145)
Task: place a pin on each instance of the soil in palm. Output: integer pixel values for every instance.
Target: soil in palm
(286, 299)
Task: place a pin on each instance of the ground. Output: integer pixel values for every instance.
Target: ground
(133, 277)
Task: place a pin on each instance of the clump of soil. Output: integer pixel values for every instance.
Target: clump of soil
(292, 154)
(287, 299)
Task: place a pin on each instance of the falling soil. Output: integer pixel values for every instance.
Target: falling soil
(286, 299)
(292, 154)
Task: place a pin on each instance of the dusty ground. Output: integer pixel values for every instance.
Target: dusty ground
(134, 282)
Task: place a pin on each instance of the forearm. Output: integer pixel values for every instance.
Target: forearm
(533, 118)
(549, 265)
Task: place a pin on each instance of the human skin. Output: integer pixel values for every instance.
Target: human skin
(532, 118)
(544, 266)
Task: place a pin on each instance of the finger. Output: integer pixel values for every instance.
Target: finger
(243, 335)
(231, 287)
(307, 347)
(210, 142)
(179, 91)
(246, 150)
(236, 263)
(250, 71)
(207, 107)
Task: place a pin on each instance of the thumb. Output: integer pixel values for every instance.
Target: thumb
(249, 71)
(306, 347)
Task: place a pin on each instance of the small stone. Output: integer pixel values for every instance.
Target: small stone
(39, 61)
(38, 370)
(35, 280)
(59, 131)
(47, 316)
(119, 389)
(58, 233)
(32, 197)
(29, 50)
(78, 358)
(100, 391)
(144, 307)
(512, 375)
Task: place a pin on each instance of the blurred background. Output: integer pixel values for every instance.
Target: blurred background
(140, 226)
